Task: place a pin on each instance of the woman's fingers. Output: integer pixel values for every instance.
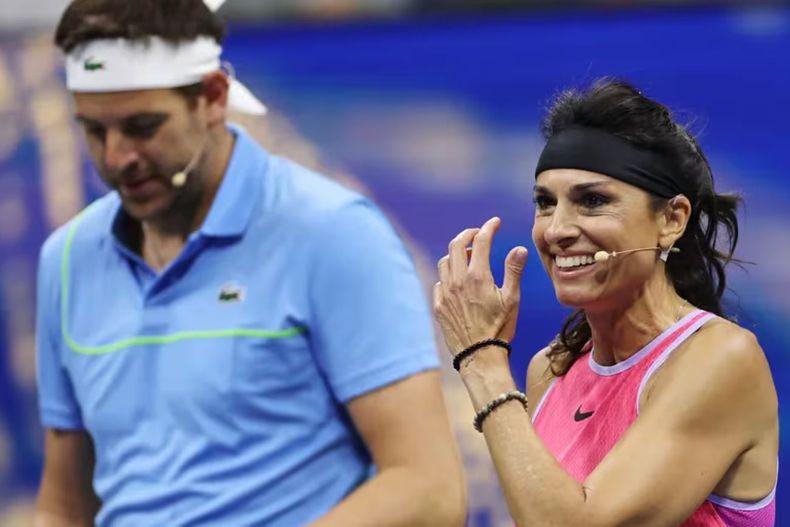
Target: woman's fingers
(514, 267)
(444, 269)
(457, 254)
(437, 297)
(480, 262)
(466, 302)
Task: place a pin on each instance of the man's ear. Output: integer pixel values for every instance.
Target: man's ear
(215, 90)
(674, 219)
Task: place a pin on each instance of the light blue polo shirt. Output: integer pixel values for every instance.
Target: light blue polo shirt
(214, 390)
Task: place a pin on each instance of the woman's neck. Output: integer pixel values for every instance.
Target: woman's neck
(619, 333)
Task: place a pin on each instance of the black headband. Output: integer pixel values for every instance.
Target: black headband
(605, 153)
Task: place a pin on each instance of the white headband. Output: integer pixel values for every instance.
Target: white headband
(112, 65)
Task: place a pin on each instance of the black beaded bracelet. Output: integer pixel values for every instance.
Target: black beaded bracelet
(501, 399)
(477, 346)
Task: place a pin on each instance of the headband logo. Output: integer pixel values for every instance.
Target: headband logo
(92, 64)
(108, 65)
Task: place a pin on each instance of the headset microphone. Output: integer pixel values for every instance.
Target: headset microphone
(602, 256)
(179, 179)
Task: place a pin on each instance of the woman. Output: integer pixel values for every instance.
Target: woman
(649, 408)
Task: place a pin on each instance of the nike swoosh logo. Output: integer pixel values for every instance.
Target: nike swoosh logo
(581, 416)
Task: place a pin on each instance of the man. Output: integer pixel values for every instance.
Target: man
(225, 338)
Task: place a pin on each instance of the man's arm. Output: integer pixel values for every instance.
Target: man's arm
(419, 479)
(66, 497)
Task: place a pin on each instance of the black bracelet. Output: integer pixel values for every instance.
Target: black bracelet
(479, 345)
(515, 395)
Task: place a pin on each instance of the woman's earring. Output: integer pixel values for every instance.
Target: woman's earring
(664, 255)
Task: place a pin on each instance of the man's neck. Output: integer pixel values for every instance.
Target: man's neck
(164, 238)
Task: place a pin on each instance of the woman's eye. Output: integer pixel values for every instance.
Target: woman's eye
(542, 202)
(593, 200)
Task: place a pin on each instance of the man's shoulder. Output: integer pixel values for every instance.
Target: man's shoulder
(92, 223)
(314, 205)
(307, 191)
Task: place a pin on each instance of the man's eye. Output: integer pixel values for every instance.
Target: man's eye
(140, 131)
(97, 132)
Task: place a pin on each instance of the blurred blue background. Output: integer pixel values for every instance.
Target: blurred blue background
(437, 117)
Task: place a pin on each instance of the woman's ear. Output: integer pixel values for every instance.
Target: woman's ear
(673, 220)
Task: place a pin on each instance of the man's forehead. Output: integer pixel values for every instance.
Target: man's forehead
(135, 118)
(123, 105)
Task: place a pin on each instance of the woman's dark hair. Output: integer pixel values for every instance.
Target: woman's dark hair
(172, 20)
(708, 243)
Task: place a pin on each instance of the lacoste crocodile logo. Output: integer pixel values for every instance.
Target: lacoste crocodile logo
(92, 64)
(231, 293)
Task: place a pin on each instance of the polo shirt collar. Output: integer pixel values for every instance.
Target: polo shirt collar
(234, 203)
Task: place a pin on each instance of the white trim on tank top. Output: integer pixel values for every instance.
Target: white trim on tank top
(631, 361)
(744, 505)
(639, 355)
(680, 339)
(617, 368)
(543, 399)
(713, 498)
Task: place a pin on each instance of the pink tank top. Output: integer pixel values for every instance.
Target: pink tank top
(585, 412)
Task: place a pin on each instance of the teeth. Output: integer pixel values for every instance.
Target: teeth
(573, 261)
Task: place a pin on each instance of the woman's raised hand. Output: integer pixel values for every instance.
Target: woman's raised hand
(466, 302)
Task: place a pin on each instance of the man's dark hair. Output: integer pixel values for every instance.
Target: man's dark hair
(175, 21)
(698, 270)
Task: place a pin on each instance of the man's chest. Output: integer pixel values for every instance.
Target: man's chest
(193, 347)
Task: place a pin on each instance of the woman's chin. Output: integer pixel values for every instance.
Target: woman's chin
(575, 299)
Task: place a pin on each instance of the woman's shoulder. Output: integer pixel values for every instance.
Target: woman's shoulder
(723, 340)
(540, 365)
(539, 376)
(717, 384)
(721, 354)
